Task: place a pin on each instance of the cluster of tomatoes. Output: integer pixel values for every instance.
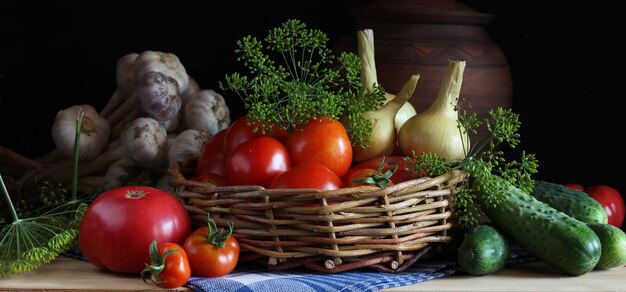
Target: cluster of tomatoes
(318, 155)
(122, 223)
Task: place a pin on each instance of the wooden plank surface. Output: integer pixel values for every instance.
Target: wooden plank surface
(66, 274)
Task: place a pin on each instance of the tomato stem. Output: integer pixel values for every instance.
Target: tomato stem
(218, 238)
(158, 263)
(378, 178)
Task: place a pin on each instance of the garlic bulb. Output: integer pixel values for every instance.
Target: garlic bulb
(94, 132)
(207, 111)
(158, 96)
(174, 124)
(436, 130)
(120, 171)
(124, 74)
(166, 63)
(383, 138)
(187, 145)
(146, 142)
(188, 94)
(369, 76)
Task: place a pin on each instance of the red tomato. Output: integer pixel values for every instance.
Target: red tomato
(257, 162)
(239, 132)
(612, 202)
(120, 224)
(398, 176)
(212, 158)
(378, 179)
(307, 175)
(169, 267)
(575, 187)
(212, 254)
(322, 141)
(211, 178)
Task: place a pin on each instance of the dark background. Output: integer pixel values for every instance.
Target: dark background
(566, 61)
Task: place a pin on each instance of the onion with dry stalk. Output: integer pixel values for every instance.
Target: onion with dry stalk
(369, 75)
(383, 138)
(94, 132)
(207, 111)
(437, 130)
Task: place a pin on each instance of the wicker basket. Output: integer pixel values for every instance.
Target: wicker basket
(330, 231)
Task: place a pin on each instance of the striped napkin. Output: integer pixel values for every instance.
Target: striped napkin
(252, 280)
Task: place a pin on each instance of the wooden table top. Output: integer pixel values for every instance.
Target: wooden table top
(66, 274)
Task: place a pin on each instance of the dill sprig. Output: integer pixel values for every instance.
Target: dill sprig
(483, 161)
(37, 238)
(306, 82)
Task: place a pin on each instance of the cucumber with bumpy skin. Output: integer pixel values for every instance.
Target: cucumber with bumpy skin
(571, 202)
(483, 251)
(550, 235)
(613, 242)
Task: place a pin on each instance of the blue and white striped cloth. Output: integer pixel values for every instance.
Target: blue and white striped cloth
(250, 280)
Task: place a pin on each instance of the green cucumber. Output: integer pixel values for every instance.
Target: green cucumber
(550, 235)
(571, 202)
(483, 251)
(613, 242)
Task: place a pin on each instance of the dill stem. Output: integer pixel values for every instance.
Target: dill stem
(8, 199)
(79, 124)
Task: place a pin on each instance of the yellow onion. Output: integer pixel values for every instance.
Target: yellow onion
(436, 130)
(383, 138)
(369, 76)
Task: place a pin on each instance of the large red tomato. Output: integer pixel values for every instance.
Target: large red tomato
(322, 141)
(241, 130)
(257, 162)
(612, 202)
(212, 158)
(307, 175)
(120, 224)
(212, 253)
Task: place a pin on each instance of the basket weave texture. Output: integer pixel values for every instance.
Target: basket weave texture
(329, 231)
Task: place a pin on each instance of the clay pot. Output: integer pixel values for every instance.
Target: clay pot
(420, 36)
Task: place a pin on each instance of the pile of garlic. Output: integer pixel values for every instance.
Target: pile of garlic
(157, 115)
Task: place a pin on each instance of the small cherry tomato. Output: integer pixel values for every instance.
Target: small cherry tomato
(307, 175)
(212, 253)
(169, 266)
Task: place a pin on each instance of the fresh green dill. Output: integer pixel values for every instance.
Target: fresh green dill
(482, 163)
(306, 82)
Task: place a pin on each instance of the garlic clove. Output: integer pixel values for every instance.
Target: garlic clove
(94, 133)
(158, 96)
(166, 63)
(207, 111)
(146, 142)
